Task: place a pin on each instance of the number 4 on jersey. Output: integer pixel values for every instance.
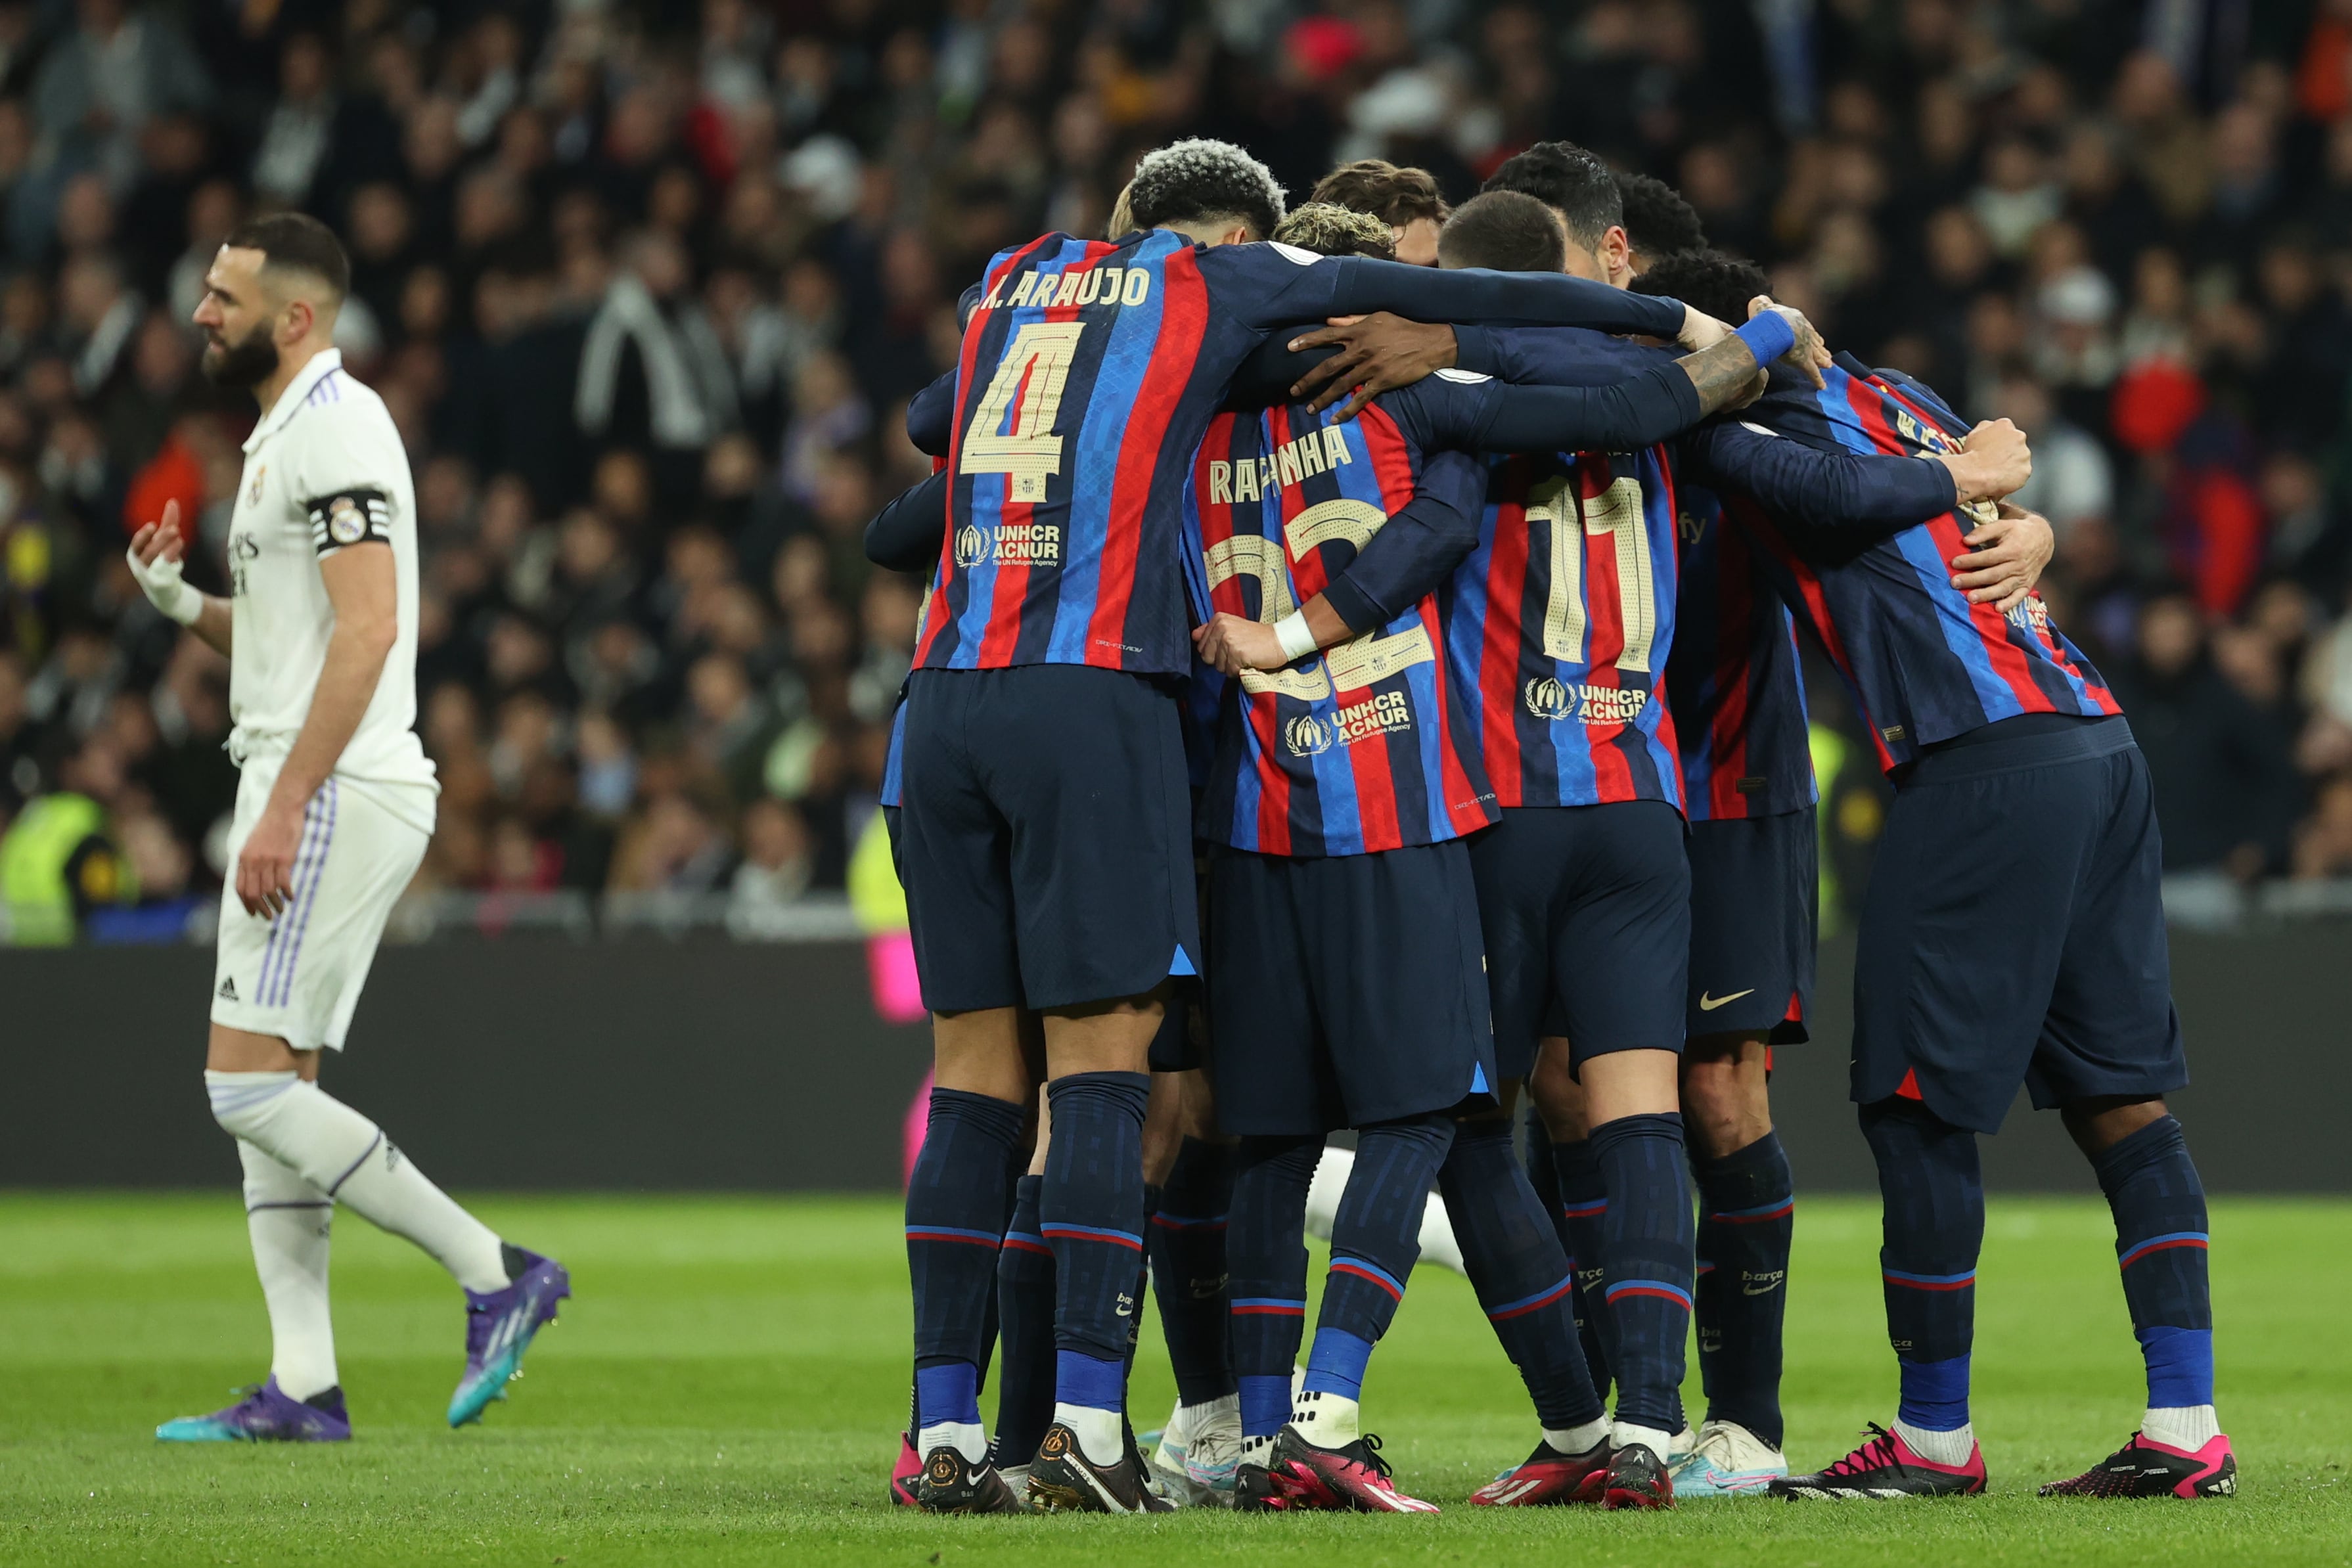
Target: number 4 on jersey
(1026, 388)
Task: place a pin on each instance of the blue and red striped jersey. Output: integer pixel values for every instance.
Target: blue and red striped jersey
(1558, 626)
(1355, 750)
(1087, 374)
(1733, 682)
(1924, 663)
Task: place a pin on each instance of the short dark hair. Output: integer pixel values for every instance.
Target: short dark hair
(1188, 180)
(1376, 186)
(1712, 281)
(1573, 181)
(1506, 231)
(297, 242)
(1658, 222)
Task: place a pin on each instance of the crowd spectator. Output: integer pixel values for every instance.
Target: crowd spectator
(646, 289)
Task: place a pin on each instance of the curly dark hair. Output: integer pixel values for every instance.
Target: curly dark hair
(1186, 182)
(1572, 179)
(1711, 280)
(1658, 222)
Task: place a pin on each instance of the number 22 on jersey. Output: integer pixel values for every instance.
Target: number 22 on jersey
(1026, 393)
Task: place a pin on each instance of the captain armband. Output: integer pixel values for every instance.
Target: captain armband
(349, 518)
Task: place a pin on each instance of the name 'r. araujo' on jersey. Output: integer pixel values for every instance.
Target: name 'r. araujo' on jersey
(1924, 663)
(1087, 374)
(1560, 624)
(1356, 750)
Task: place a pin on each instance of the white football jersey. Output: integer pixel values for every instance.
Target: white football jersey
(323, 470)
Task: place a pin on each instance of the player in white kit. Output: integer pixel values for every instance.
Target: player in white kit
(334, 810)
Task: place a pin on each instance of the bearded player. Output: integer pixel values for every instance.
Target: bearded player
(334, 807)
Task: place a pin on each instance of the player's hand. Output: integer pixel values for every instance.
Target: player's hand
(155, 559)
(1231, 644)
(1993, 461)
(1810, 357)
(1700, 331)
(1378, 353)
(2005, 558)
(264, 867)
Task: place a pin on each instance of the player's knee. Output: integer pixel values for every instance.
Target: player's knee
(1559, 1098)
(244, 1102)
(1725, 1105)
(2098, 1125)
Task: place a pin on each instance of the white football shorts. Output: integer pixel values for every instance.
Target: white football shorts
(298, 976)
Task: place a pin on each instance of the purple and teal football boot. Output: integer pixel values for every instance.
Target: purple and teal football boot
(266, 1414)
(499, 1326)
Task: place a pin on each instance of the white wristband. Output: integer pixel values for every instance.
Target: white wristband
(164, 589)
(1296, 641)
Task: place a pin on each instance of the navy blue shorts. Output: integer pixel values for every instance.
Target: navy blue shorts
(1755, 914)
(1586, 911)
(1345, 989)
(2014, 930)
(1045, 837)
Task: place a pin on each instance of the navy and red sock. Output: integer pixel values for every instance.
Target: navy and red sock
(1511, 1250)
(1375, 1242)
(1582, 1201)
(2161, 1243)
(1186, 1241)
(1646, 1253)
(1024, 1308)
(1932, 1188)
(1747, 1204)
(1266, 1250)
(1092, 1215)
(955, 1223)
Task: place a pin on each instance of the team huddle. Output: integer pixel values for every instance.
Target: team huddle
(1357, 690)
(1355, 695)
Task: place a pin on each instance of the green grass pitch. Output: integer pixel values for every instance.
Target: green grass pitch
(725, 1386)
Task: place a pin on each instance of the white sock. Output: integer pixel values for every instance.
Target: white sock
(1624, 1434)
(1102, 1437)
(348, 1158)
(1942, 1448)
(1577, 1439)
(290, 1222)
(1325, 1419)
(969, 1438)
(2186, 1427)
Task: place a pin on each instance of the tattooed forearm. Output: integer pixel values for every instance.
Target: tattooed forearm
(1723, 374)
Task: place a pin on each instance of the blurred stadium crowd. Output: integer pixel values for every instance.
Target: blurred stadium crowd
(646, 289)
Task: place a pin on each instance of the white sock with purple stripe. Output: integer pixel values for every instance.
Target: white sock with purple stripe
(347, 1157)
(290, 1221)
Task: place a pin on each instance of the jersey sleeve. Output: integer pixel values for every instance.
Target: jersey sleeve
(911, 529)
(1639, 411)
(930, 416)
(1551, 356)
(1871, 490)
(343, 478)
(1264, 285)
(1416, 549)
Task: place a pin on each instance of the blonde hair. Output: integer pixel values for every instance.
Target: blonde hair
(1330, 229)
